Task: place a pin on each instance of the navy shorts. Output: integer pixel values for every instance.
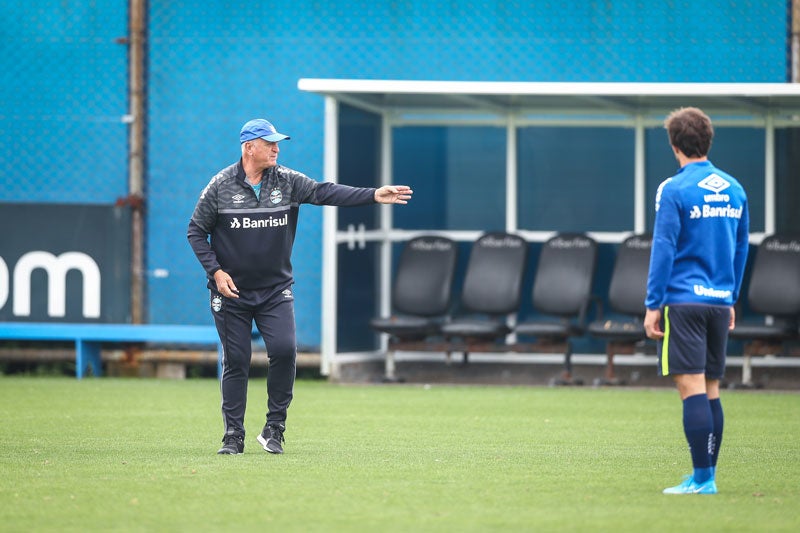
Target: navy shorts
(695, 340)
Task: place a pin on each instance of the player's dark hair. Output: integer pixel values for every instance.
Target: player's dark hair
(690, 131)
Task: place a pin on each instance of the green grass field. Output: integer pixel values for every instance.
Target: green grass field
(140, 455)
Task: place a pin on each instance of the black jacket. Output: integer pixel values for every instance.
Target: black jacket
(252, 238)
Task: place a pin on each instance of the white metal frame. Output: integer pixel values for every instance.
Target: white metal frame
(519, 104)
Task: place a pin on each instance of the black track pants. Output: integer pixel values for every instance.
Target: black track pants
(273, 313)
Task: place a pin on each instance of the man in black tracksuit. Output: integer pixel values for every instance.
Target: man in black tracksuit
(250, 210)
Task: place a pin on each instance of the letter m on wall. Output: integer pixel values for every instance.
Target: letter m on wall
(65, 263)
(56, 268)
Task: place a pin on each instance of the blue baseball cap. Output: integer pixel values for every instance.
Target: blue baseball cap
(260, 129)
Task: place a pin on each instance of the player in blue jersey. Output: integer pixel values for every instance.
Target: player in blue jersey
(249, 210)
(700, 244)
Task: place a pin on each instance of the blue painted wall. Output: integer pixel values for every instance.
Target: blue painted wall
(213, 65)
(63, 94)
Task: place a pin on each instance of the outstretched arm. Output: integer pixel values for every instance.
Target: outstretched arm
(393, 194)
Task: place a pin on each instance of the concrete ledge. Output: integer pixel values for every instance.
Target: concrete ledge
(166, 363)
(771, 372)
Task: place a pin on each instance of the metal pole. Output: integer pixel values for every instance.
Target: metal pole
(329, 244)
(386, 225)
(769, 174)
(512, 201)
(512, 180)
(136, 144)
(639, 178)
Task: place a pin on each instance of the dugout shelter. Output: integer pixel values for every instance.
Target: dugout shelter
(523, 157)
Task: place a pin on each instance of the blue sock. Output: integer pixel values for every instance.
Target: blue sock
(701, 475)
(698, 426)
(719, 423)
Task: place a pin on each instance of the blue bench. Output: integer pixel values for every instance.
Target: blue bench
(88, 338)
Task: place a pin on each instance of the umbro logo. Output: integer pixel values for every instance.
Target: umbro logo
(714, 183)
(238, 198)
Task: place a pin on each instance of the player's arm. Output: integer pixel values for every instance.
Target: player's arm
(198, 240)
(662, 257)
(665, 238)
(742, 249)
(313, 192)
(201, 225)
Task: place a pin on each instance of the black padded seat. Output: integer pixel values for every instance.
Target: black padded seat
(562, 291)
(623, 327)
(407, 327)
(476, 327)
(421, 294)
(491, 289)
(549, 329)
(422, 288)
(779, 330)
(618, 330)
(774, 293)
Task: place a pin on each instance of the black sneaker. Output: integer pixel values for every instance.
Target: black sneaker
(272, 438)
(232, 445)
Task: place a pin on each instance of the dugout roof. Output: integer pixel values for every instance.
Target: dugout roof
(568, 101)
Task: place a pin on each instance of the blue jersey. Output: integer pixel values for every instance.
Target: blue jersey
(700, 239)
